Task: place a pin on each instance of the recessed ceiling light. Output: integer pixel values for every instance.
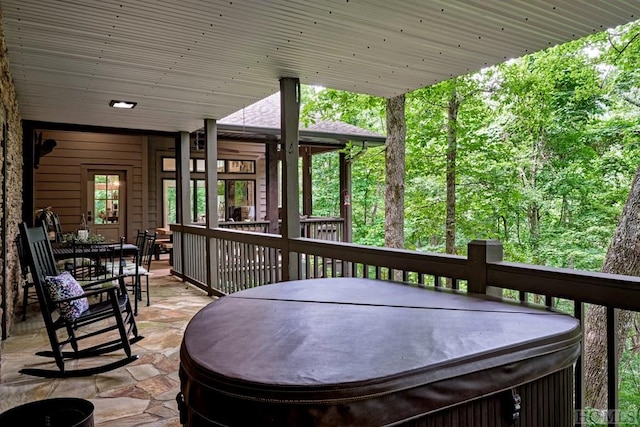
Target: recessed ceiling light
(122, 104)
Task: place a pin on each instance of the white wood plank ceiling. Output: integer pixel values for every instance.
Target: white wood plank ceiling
(187, 60)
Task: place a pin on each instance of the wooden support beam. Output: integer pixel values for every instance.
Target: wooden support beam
(480, 252)
(211, 191)
(183, 179)
(613, 416)
(290, 116)
(345, 198)
(211, 168)
(183, 193)
(273, 186)
(579, 385)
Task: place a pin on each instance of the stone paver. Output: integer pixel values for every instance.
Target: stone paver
(139, 394)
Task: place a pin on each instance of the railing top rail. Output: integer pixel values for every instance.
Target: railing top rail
(453, 266)
(320, 219)
(612, 290)
(242, 223)
(307, 220)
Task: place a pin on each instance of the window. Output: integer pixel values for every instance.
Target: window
(105, 198)
(240, 200)
(236, 198)
(224, 166)
(198, 201)
(241, 166)
(169, 201)
(168, 164)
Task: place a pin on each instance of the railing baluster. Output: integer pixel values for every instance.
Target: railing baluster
(260, 270)
(578, 312)
(612, 366)
(316, 266)
(548, 301)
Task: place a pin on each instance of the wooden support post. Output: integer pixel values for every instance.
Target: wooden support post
(273, 186)
(183, 179)
(579, 386)
(613, 417)
(211, 168)
(183, 190)
(211, 191)
(290, 116)
(480, 252)
(345, 198)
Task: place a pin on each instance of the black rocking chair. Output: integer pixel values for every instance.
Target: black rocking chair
(65, 310)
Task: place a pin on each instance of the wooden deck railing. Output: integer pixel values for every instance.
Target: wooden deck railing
(222, 261)
(322, 228)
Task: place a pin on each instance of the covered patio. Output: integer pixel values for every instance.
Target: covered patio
(189, 65)
(142, 394)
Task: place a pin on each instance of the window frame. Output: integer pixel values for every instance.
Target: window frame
(199, 176)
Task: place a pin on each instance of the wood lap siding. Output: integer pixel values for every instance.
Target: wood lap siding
(58, 180)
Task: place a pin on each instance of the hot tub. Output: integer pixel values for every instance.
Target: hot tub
(361, 352)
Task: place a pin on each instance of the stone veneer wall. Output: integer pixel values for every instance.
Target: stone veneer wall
(12, 211)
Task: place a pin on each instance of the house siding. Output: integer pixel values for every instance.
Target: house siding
(59, 181)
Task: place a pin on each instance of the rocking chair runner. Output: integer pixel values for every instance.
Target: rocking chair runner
(112, 313)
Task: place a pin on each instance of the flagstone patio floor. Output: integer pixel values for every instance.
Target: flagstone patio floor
(139, 394)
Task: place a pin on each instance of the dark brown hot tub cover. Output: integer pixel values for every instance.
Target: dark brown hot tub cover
(348, 351)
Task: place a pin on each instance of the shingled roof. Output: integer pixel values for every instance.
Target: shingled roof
(261, 120)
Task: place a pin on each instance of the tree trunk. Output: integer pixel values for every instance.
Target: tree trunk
(395, 172)
(623, 257)
(452, 151)
(533, 214)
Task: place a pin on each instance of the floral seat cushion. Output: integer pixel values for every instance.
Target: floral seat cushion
(65, 286)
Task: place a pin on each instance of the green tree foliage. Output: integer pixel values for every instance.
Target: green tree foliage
(368, 168)
(547, 148)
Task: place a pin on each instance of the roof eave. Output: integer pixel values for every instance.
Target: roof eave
(313, 135)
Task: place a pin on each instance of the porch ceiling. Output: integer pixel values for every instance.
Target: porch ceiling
(190, 60)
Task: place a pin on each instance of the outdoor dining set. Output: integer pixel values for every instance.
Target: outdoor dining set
(80, 283)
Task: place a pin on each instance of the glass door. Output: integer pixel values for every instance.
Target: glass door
(106, 203)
